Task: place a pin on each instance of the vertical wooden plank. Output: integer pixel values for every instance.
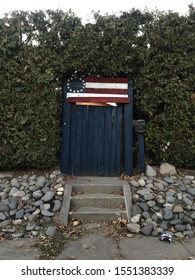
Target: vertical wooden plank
(84, 142)
(128, 145)
(64, 154)
(95, 148)
(112, 149)
(90, 140)
(78, 141)
(72, 139)
(101, 135)
(118, 140)
(107, 140)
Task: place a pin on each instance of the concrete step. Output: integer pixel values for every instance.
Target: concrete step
(96, 199)
(97, 214)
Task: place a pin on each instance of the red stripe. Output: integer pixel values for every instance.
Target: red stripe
(105, 80)
(109, 90)
(99, 99)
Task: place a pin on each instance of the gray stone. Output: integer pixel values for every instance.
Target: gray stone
(135, 209)
(14, 183)
(33, 217)
(188, 220)
(187, 201)
(40, 182)
(147, 230)
(20, 214)
(148, 197)
(145, 215)
(48, 196)
(13, 190)
(144, 206)
(150, 172)
(2, 216)
(170, 199)
(37, 194)
(133, 228)
(168, 215)
(169, 180)
(157, 217)
(151, 203)
(57, 205)
(191, 191)
(179, 235)
(189, 233)
(19, 193)
(193, 216)
(175, 222)
(180, 227)
(17, 234)
(4, 208)
(47, 213)
(30, 227)
(154, 233)
(186, 181)
(134, 184)
(51, 231)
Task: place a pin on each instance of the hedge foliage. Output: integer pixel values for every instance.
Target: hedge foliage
(38, 49)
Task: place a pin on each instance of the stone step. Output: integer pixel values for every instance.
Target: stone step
(94, 188)
(97, 214)
(97, 199)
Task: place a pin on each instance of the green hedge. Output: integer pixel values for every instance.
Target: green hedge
(38, 49)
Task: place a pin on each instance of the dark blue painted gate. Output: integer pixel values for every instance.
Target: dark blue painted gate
(97, 141)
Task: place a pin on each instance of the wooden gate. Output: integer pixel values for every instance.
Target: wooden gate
(96, 132)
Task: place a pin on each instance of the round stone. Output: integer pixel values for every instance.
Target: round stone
(48, 196)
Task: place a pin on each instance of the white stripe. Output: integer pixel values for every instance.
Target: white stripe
(70, 94)
(107, 85)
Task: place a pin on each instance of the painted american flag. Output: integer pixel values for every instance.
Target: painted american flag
(97, 89)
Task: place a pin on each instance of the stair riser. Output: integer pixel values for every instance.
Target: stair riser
(115, 202)
(98, 217)
(95, 189)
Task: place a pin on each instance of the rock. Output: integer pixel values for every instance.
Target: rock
(178, 209)
(57, 205)
(51, 231)
(47, 213)
(150, 172)
(193, 216)
(154, 233)
(48, 196)
(2, 216)
(136, 218)
(135, 209)
(157, 217)
(179, 227)
(133, 228)
(14, 183)
(5, 223)
(20, 214)
(151, 203)
(134, 184)
(147, 230)
(191, 191)
(175, 222)
(4, 208)
(17, 235)
(40, 182)
(189, 233)
(144, 206)
(179, 235)
(168, 215)
(167, 169)
(169, 180)
(19, 193)
(141, 182)
(37, 194)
